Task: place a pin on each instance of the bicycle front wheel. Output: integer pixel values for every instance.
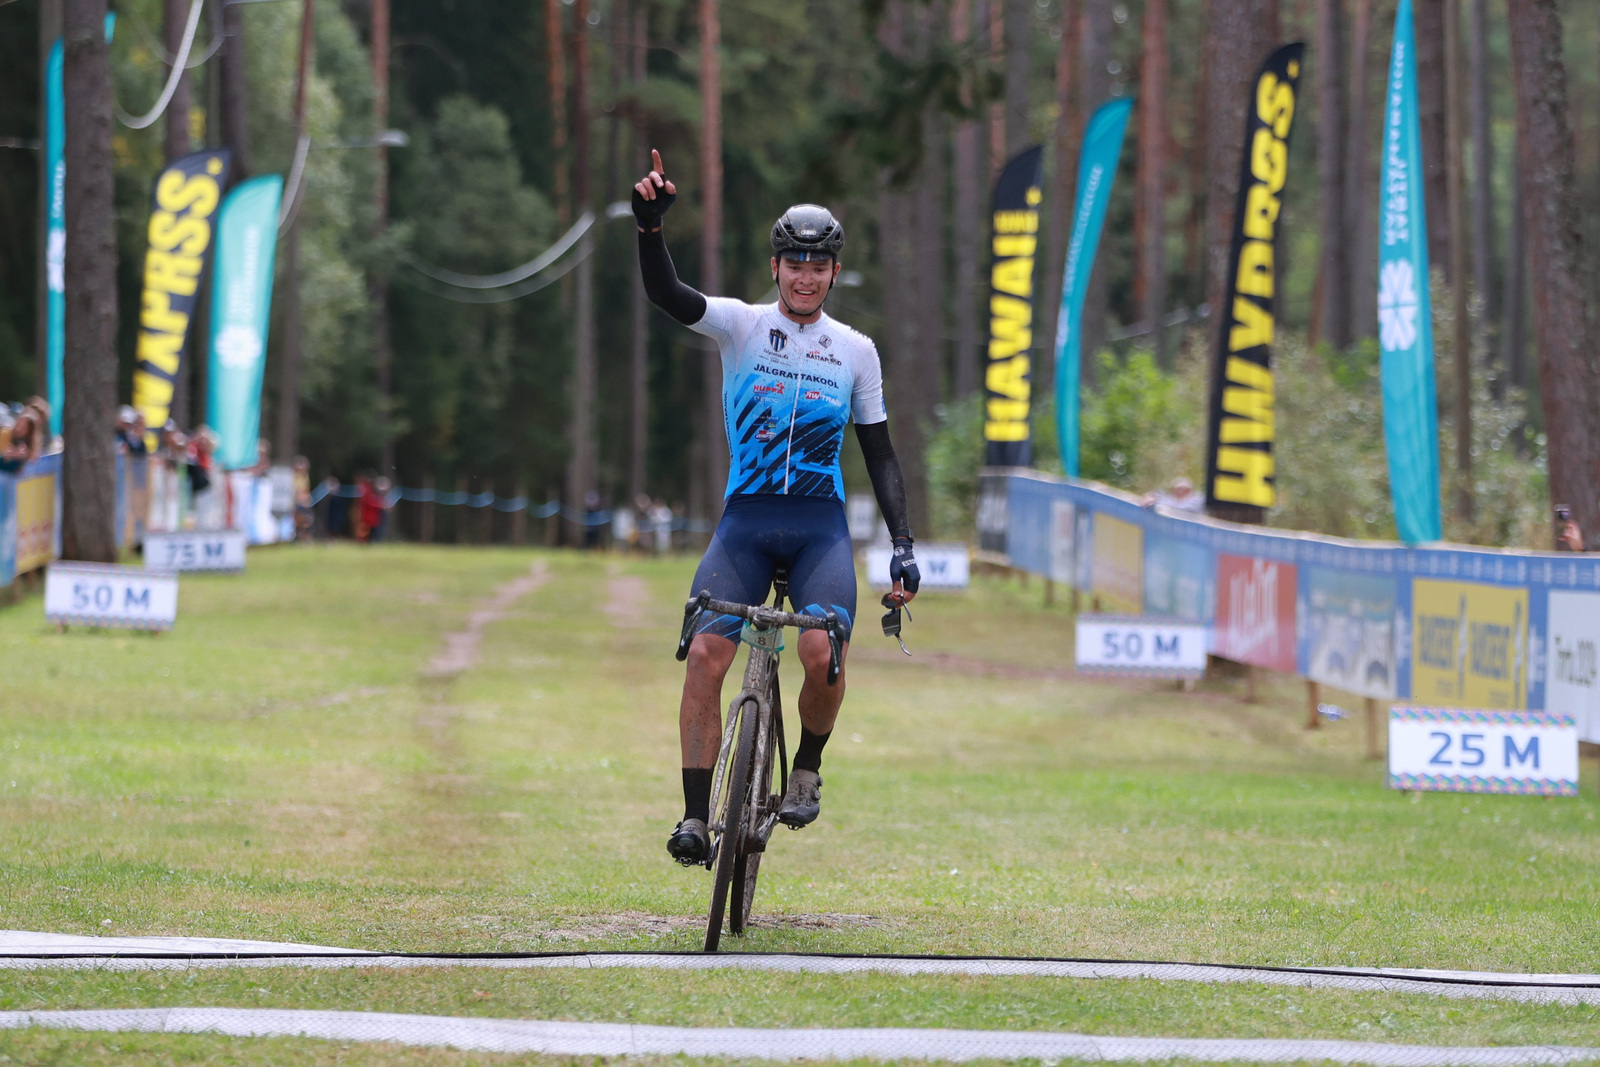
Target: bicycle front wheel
(736, 812)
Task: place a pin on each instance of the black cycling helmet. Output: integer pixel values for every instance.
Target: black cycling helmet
(808, 230)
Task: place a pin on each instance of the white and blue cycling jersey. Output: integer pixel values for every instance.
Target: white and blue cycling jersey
(788, 390)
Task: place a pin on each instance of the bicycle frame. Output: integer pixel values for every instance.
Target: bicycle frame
(744, 810)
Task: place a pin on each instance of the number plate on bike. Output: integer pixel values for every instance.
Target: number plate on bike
(769, 640)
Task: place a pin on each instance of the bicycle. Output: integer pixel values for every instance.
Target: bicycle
(744, 809)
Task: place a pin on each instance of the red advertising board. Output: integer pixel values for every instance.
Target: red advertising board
(1255, 612)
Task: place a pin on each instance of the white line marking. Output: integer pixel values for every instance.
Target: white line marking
(622, 1039)
(20, 950)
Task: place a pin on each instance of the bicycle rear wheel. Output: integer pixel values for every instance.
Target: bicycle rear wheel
(736, 813)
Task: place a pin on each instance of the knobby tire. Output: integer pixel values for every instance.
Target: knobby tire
(730, 849)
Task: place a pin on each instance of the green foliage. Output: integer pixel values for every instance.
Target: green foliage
(1136, 410)
(955, 455)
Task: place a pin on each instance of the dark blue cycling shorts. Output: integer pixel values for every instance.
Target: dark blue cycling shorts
(761, 532)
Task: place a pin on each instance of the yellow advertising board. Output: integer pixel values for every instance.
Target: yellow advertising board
(36, 522)
(1117, 571)
(1469, 645)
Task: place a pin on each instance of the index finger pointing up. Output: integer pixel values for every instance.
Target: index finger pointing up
(655, 160)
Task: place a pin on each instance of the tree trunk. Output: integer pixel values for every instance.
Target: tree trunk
(556, 70)
(378, 277)
(290, 361)
(1094, 90)
(89, 475)
(1456, 185)
(992, 14)
(1239, 36)
(175, 14)
(1198, 152)
(966, 156)
(1061, 182)
(1019, 68)
(583, 454)
(1482, 168)
(1564, 319)
(1151, 221)
(176, 145)
(1429, 28)
(1333, 306)
(1360, 180)
(1513, 305)
(921, 374)
(711, 245)
(288, 443)
(639, 342)
(235, 90)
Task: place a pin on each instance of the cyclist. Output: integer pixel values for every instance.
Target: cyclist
(791, 378)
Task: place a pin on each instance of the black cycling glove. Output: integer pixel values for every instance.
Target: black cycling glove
(649, 212)
(903, 566)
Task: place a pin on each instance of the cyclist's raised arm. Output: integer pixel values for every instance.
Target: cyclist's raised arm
(652, 196)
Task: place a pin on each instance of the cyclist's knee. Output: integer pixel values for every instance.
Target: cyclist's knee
(710, 656)
(814, 653)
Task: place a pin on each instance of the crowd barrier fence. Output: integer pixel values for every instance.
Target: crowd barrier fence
(1443, 625)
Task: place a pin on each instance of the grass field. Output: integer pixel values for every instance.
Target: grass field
(285, 766)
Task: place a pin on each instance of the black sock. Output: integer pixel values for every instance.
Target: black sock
(697, 793)
(808, 757)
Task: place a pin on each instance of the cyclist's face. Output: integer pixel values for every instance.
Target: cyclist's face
(804, 285)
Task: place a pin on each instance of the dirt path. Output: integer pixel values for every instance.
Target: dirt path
(460, 650)
(627, 600)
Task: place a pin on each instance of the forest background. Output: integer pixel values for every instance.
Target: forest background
(520, 115)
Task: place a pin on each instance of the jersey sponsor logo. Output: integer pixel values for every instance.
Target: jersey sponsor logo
(767, 427)
(775, 388)
(778, 372)
(777, 339)
(813, 394)
(824, 357)
(826, 341)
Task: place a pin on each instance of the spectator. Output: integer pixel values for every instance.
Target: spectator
(1179, 496)
(661, 524)
(29, 437)
(303, 516)
(209, 498)
(130, 430)
(1568, 537)
(374, 509)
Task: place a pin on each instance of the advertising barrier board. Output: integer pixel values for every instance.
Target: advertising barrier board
(1177, 579)
(1256, 612)
(1455, 750)
(943, 566)
(1140, 646)
(1470, 644)
(97, 594)
(1571, 686)
(195, 550)
(37, 495)
(1349, 628)
(1116, 572)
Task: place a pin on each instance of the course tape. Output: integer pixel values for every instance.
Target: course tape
(21, 951)
(623, 1039)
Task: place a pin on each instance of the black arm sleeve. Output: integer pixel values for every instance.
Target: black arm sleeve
(883, 467)
(661, 282)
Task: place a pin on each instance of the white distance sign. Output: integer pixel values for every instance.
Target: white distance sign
(1456, 750)
(95, 594)
(1153, 648)
(1571, 684)
(942, 566)
(195, 550)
